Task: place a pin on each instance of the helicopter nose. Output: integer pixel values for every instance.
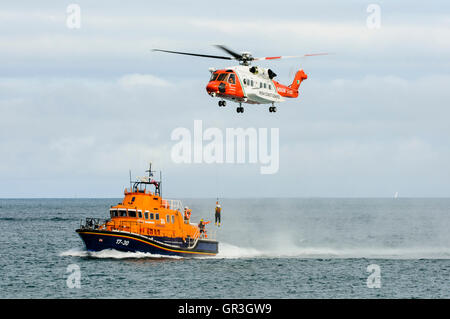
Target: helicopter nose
(212, 87)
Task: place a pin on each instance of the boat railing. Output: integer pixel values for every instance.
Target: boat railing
(131, 190)
(174, 204)
(92, 223)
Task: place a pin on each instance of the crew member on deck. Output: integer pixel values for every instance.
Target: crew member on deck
(187, 214)
(201, 226)
(218, 210)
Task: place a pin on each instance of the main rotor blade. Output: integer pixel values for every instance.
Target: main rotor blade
(195, 54)
(289, 56)
(237, 56)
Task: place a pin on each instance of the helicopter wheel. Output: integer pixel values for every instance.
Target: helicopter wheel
(272, 109)
(221, 103)
(240, 109)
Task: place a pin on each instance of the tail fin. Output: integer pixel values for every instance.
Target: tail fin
(299, 77)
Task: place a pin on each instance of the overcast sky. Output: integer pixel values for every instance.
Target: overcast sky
(80, 107)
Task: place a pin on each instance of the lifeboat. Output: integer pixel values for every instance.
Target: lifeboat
(145, 222)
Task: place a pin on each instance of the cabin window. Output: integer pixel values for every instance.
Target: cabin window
(265, 85)
(168, 219)
(232, 79)
(270, 87)
(245, 81)
(157, 216)
(123, 213)
(222, 77)
(139, 214)
(131, 213)
(260, 85)
(251, 82)
(146, 215)
(173, 219)
(214, 76)
(152, 216)
(113, 213)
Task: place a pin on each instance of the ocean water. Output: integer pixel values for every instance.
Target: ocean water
(269, 248)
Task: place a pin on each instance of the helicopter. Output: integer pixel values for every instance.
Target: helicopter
(248, 84)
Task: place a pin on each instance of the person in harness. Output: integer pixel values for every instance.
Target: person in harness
(201, 226)
(218, 210)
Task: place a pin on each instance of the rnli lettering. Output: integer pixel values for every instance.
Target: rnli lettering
(152, 231)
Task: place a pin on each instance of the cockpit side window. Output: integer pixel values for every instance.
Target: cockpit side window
(222, 77)
(232, 79)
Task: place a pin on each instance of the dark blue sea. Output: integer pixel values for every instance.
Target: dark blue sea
(269, 248)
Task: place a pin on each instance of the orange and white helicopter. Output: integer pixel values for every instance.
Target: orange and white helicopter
(249, 84)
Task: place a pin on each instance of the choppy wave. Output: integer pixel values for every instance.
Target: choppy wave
(112, 254)
(30, 219)
(233, 251)
(229, 251)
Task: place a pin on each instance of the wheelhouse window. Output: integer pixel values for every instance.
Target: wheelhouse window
(113, 213)
(122, 213)
(131, 213)
(146, 215)
(139, 214)
(222, 77)
(152, 216)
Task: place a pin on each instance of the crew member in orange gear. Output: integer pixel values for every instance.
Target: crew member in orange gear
(201, 226)
(187, 214)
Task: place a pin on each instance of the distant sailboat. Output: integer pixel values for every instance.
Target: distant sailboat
(396, 195)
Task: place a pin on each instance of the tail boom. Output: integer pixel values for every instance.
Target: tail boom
(291, 90)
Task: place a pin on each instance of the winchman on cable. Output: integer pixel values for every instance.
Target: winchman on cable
(217, 214)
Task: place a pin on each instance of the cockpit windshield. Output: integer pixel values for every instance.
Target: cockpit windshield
(222, 77)
(214, 76)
